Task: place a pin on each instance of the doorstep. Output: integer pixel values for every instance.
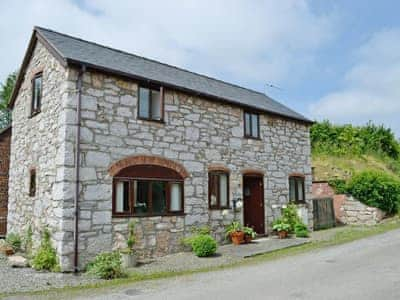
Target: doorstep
(261, 246)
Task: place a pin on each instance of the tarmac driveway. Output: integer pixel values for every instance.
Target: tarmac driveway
(364, 269)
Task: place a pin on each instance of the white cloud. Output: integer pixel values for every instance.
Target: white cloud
(371, 87)
(244, 41)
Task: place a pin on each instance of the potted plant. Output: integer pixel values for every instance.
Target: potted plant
(249, 234)
(235, 233)
(128, 255)
(282, 227)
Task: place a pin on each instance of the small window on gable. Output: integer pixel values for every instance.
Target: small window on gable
(150, 104)
(32, 183)
(296, 189)
(218, 190)
(251, 125)
(36, 94)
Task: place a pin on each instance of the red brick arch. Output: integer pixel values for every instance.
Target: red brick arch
(147, 160)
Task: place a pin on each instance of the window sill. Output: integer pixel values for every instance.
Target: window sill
(219, 208)
(151, 120)
(252, 138)
(33, 114)
(178, 214)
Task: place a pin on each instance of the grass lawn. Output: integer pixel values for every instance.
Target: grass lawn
(330, 237)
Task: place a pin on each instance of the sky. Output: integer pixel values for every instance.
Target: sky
(337, 60)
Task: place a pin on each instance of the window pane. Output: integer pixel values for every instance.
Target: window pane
(32, 183)
(176, 196)
(254, 125)
(223, 190)
(292, 190)
(300, 189)
(155, 105)
(37, 93)
(142, 193)
(144, 103)
(122, 197)
(247, 121)
(213, 186)
(159, 199)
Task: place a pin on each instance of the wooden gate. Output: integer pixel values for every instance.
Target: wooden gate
(324, 214)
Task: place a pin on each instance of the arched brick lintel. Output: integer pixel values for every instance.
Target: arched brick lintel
(252, 171)
(147, 160)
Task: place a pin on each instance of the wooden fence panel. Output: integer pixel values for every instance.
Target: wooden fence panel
(324, 213)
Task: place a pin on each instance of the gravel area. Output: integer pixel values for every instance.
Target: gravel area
(184, 261)
(27, 279)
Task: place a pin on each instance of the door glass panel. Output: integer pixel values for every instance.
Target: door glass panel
(142, 193)
(144, 105)
(155, 105)
(176, 196)
(159, 199)
(122, 197)
(223, 190)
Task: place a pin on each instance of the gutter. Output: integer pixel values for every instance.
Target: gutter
(77, 168)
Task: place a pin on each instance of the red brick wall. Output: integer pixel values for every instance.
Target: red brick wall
(321, 189)
(5, 139)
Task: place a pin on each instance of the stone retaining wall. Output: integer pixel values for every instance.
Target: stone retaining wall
(353, 212)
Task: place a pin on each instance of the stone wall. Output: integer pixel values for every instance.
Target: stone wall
(196, 133)
(37, 143)
(353, 212)
(5, 140)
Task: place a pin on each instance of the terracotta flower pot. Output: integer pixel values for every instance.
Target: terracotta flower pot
(237, 237)
(247, 238)
(282, 234)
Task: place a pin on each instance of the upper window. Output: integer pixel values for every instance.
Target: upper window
(147, 190)
(150, 104)
(218, 190)
(296, 189)
(32, 183)
(36, 94)
(251, 125)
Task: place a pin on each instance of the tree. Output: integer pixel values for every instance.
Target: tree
(6, 89)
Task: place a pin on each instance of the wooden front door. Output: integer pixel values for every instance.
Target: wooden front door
(253, 203)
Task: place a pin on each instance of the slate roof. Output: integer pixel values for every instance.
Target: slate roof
(77, 51)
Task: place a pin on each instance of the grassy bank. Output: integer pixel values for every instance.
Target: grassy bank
(321, 240)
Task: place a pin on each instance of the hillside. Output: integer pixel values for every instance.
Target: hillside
(338, 152)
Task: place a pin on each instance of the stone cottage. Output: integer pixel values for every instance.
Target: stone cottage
(101, 137)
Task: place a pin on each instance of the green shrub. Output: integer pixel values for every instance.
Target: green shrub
(106, 266)
(301, 230)
(204, 245)
(330, 139)
(376, 189)
(46, 257)
(281, 224)
(28, 243)
(339, 185)
(14, 240)
(290, 216)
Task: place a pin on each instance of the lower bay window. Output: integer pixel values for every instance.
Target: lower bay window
(144, 197)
